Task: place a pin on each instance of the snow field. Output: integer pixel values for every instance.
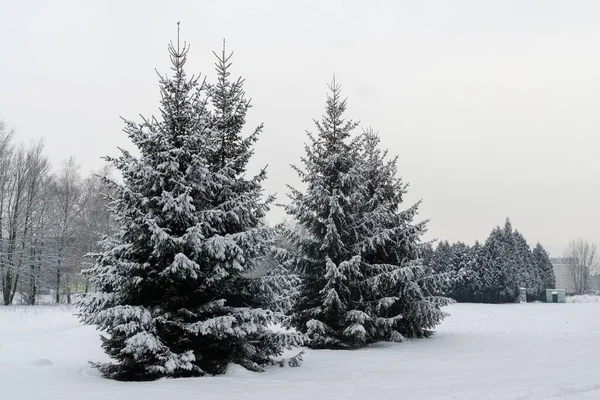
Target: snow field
(584, 298)
(511, 351)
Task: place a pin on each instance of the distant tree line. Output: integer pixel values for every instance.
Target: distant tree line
(495, 271)
(48, 222)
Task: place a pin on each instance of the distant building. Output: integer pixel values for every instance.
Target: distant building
(561, 273)
(564, 280)
(595, 283)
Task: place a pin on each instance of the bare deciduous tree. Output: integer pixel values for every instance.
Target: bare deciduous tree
(35, 169)
(23, 171)
(14, 198)
(582, 262)
(39, 244)
(68, 193)
(6, 155)
(48, 222)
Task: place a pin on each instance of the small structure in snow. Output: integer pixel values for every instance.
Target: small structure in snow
(555, 296)
(522, 295)
(41, 362)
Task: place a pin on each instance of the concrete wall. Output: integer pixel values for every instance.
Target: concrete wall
(595, 283)
(564, 281)
(561, 267)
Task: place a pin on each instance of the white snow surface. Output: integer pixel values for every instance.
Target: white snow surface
(513, 351)
(584, 298)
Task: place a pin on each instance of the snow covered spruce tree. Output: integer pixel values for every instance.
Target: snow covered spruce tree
(398, 290)
(354, 250)
(499, 273)
(465, 265)
(529, 277)
(173, 284)
(545, 271)
(324, 214)
(459, 262)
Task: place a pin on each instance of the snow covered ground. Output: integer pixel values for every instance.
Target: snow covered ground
(514, 351)
(584, 298)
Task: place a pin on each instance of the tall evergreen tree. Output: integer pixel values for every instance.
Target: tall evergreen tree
(326, 307)
(441, 259)
(173, 283)
(500, 274)
(465, 276)
(357, 251)
(458, 262)
(509, 264)
(527, 274)
(398, 289)
(541, 262)
(477, 287)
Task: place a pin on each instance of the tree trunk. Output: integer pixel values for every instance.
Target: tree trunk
(32, 278)
(58, 283)
(8, 277)
(58, 272)
(68, 290)
(14, 288)
(6, 288)
(32, 286)
(39, 255)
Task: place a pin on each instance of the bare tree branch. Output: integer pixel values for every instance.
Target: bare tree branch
(582, 261)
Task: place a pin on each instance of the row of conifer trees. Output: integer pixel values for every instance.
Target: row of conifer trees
(495, 271)
(193, 279)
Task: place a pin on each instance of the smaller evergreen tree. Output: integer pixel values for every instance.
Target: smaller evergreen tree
(463, 264)
(542, 263)
(441, 258)
(326, 309)
(357, 252)
(498, 267)
(398, 289)
(458, 263)
(527, 273)
(476, 272)
(438, 261)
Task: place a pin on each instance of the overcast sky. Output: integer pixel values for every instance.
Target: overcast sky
(492, 106)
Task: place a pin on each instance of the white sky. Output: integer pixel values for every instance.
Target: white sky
(493, 107)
